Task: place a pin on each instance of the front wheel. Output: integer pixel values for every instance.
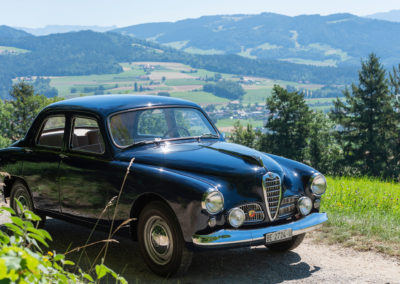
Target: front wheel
(161, 242)
(287, 245)
(20, 192)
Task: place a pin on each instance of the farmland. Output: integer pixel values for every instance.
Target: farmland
(180, 81)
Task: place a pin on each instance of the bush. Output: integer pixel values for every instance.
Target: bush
(23, 261)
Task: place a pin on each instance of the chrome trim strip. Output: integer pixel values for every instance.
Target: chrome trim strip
(242, 236)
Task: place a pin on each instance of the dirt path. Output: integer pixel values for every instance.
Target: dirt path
(309, 263)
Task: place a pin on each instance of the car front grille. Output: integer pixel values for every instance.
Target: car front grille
(272, 194)
(288, 207)
(254, 213)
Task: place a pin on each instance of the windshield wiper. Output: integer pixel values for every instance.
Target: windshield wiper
(145, 142)
(207, 135)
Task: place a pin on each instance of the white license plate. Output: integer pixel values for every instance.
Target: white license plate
(278, 236)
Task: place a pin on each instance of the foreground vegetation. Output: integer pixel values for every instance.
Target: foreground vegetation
(364, 213)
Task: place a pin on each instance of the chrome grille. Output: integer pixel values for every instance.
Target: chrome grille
(288, 206)
(258, 212)
(272, 194)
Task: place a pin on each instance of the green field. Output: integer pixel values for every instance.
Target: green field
(230, 122)
(12, 50)
(180, 80)
(364, 213)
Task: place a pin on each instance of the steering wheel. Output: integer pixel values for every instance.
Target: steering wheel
(177, 128)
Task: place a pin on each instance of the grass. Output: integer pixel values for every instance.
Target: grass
(364, 213)
(12, 50)
(253, 96)
(199, 97)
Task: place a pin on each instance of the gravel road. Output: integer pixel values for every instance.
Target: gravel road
(309, 263)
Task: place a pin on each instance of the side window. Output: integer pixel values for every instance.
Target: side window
(86, 136)
(52, 134)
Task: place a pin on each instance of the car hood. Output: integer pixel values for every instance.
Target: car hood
(213, 158)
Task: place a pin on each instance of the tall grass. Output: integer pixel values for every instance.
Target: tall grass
(363, 213)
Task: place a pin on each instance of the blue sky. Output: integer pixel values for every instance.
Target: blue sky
(38, 13)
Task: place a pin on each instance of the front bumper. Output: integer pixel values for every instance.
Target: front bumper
(253, 237)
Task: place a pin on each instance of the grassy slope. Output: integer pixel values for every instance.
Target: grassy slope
(363, 213)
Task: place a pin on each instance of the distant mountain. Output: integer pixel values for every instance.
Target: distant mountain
(11, 33)
(56, 29)
(87, 52)
(309, 39)
(392, 16)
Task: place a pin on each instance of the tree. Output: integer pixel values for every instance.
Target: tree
(225, 89)
(288, 125)
(26, 105)
(135, 87)
(368, 123)
(323, 152)
(244, 136)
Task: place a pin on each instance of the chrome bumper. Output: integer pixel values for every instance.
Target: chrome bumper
(243, 237)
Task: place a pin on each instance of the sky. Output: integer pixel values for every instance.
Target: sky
(39, 13)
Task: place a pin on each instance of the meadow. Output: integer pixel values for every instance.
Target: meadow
(364, 213)
(180, 81)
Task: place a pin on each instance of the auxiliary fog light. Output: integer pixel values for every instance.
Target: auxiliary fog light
(236, 217)
(305, 205)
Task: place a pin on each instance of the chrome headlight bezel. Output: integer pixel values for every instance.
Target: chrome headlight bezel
(317, 184)
(213, 201)
(304, 205)
(236, 217)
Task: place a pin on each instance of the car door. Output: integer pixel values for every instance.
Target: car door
(85, 175)
(41, 162)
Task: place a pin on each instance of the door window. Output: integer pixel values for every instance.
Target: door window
(52, 134)
(86, 136)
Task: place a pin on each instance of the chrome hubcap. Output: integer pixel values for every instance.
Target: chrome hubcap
(158, 240)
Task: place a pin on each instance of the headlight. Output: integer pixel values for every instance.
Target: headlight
(305, 205)
(236, 217)
(213, 202)
(318, 184)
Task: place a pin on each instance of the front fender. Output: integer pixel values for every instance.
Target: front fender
(182, 193)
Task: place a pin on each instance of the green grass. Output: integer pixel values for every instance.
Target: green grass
(364, 213)
(199, 97)
(253, 96)
(183, 82)
(194, 50)
(12, 50)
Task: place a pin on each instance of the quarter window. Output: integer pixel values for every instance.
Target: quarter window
(52, 134)
(86, 136)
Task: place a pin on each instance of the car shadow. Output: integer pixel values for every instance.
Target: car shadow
(242, 265)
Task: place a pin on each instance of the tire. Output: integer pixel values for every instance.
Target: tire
(161, 241)
(287, 245)
(21, 193)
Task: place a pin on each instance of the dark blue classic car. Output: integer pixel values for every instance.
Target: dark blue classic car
(170, 169)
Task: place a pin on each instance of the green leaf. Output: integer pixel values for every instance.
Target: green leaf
(59, 257)
(69, 262)
(46, 234)
(8, 209)
(17, 221)
(101, 271)
(14, 229)
(38, 238)
(88, 277)
(31, 216)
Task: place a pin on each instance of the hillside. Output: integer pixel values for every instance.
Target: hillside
(11, 33)
(56, 29)
(308, 39)
(87, 52)
(392, 16)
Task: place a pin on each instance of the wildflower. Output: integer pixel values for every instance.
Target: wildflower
(50, 253)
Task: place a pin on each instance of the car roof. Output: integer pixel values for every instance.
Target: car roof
(104, 105)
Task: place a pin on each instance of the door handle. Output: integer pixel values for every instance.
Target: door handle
(27, 150)
(62, 156)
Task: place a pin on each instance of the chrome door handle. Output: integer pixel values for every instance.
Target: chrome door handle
(62, 156)
(27, 150)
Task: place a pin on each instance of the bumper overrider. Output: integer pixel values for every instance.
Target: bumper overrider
(253, 237)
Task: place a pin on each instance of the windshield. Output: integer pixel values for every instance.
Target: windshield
(132, 127)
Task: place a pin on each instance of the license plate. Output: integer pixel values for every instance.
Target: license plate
(278, 236)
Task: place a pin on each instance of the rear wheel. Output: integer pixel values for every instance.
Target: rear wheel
(161, 242)
(20, 192)
(287, 245)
